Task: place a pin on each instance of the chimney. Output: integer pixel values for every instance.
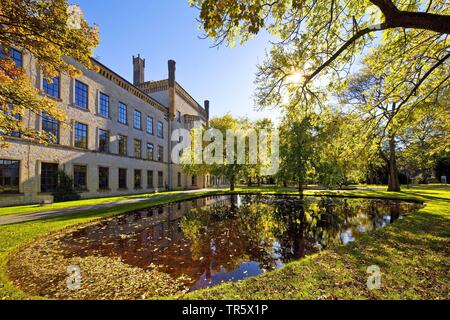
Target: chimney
(172, 68)
(138, 70)
(207, 108)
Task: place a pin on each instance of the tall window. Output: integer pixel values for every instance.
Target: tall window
(123, 179)
(160, 179)
(123, 142)
(49, 177)
(103, 178)
(80, 178)
(123, 113)
(137, 119)
(81, 94)
(160, 129)
(149, 125)
(137, 149)
(179, 179)
(138, 179)
(9, 176)
(52, 88)
(14, 55)
(150, 184)
(103, 140)
(160, 157)
(150, 150)
(179, 116)
(81, 135)
(51, 126)
(104, 105)
(194, 181)
(12, 116)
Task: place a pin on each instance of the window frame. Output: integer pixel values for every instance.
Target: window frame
(50, 186)
(49, 88)
(137, 115)
(122, 111)
(48, 122)
(150, 129)
(120, 178)
(160, 125)
(152, 180)
(86, 145)
(124, 139)
(76, 186)
(137, 152)
(79, 85)
(100, 187)
(137, 186)
(14, 179)
(108, 141)
(152, 153)
(104, 102)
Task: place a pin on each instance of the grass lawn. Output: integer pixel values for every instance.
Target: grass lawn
(75, 204)
(413, 254)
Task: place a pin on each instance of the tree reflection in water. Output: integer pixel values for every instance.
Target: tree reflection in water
(228, 238)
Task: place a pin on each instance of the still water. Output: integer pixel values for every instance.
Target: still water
(228, 238)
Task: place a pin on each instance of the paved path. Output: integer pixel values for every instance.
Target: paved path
(18, 218)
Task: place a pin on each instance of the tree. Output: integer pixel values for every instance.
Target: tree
(317, 43)
(298, 140)
(367, 94)
(424, 140)
(343, 149)
(49, 31)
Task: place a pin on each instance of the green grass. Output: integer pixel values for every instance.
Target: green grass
(76, 204)
(412, 253)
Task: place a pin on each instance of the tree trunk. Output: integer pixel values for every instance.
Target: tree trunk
(232, 182)
(394, 183)
(285, 184)
(300, 187)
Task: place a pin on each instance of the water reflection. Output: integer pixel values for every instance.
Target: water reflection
(229, 238)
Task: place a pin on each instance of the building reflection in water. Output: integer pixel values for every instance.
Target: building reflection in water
(229, 238)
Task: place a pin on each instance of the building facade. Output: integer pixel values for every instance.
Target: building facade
(116, 141)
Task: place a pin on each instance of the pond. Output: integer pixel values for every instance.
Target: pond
(218, 239)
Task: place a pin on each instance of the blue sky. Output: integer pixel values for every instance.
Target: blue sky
(167, 29)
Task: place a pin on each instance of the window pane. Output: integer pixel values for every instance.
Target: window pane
(9, 176)
(137, 120)
(80, 178)
(160, 154)
(103, 178)
(150, 125)
(11, 116)
(81, 94)
(160, 129)
(14, 55)
(103, 141)
(150, 150)
(123, 118)
(137, 149)
(137, 179)
(51, 126)
(49, 177)
(52, 88)
(160, 179)
(123, 141)
(104, 105)
(150, 183)
(122, 178)
(81, 131)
